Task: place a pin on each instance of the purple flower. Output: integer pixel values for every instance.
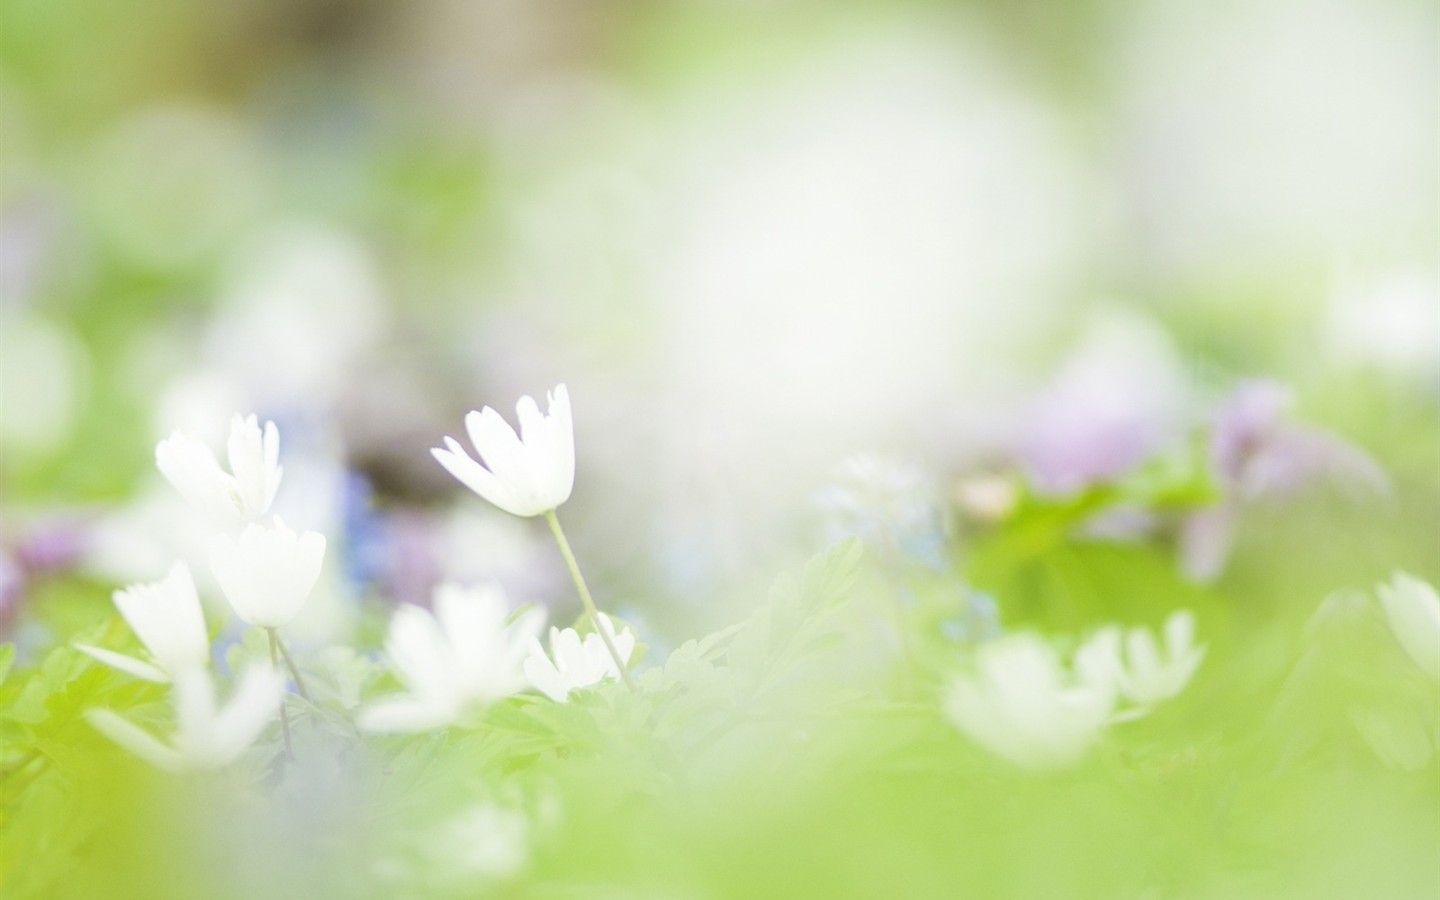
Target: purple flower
(1113, 403)
(1257, 453)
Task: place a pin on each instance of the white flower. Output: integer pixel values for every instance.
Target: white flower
(1413, 609)
(462, 654)
(167, 618)
(528, 474)
(1022, 704)
(268, 573)
(573, 663)
(246, 491)
(1145, 676)
(206, 735)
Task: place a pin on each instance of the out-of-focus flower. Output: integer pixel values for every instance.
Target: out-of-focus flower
(268, 573)
(526, 474)
(40, 550)
(167, 618)
(463, 653)
(1024, 705)
(45, 369)
(573, 663)
(890, 505)
(1256, 453)
(207, 736)
(1391, 322)
(1116, 400)
(246, 491)
(987, 497)
(1145, 676)
(1413, 608)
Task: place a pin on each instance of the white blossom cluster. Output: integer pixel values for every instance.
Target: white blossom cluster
(466, 651)
(1023, 703)
(1021, 700)
(266, 572)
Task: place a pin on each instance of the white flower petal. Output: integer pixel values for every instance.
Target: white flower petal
(497, 443)
(575, 663)
(253, 456)
(422, 655)
(191, 468)
(127, 664)
(1147, 677)
(1413, 610)
(253, 706)
(1023, 706)
(525, 473)
(135, 739)
(246, 491)
(268, 574)
(541, 672)
(462, 654)
(167, 617)
(475, 476)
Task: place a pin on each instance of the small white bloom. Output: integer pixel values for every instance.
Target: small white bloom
(167, 618)
(1098, 661)
(1022, 704)
(1146, 677)
(207, 736)
(1413, 609)
(462, 654)
(526, 474)
(246, 491)
(573, 663)
(269, 572)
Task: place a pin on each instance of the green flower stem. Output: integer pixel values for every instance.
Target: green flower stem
(290, 663)
(284, 714)
(585, 597)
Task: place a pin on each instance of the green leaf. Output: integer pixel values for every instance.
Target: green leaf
(252, 649)
(787, 630)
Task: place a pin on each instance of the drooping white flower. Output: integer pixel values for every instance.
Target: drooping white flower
(207, 735)
(1146, 676)
(1022, 703)
(526, 474)
(462, 654)
(1413, 609)
(573, 663)
(246, 491)
(268, 573)
(167, 618)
